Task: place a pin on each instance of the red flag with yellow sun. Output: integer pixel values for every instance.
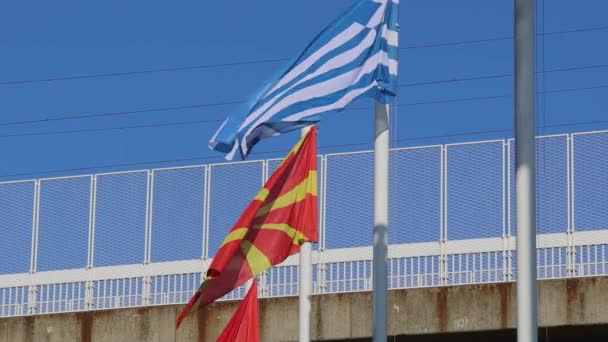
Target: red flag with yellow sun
(280, 218)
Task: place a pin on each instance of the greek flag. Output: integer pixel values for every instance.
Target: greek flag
(353, 57)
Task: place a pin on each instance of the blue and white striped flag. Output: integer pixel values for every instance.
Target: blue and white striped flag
(353, 57)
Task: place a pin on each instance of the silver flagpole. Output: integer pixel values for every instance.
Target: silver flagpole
(380, 223)
(525, 189)
(305, 297)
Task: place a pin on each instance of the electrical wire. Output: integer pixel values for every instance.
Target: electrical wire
(107, 166)
(227, 103)
(140, 72)
(107, 129)
(267, 61)
(184, 123)
(120, 113)
(153, 162)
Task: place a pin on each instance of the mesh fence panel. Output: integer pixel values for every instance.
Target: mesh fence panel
(64, 221)
(590, 181)
(552, 204)
(349, 201)
(475, 190)
(16, 212)
(589, 165)
(120, 218)
(478, 203)
(273, 165)
(233, 186)
(415, 195)
(177, 214)
(552, 184)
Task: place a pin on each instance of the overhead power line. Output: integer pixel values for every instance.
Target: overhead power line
(144, 71)
(227, 103)
(218, 157)
(178, 160)
(197, 122)
(120, 113)
(501, 38)
(454, 80)
(107, 129)
(186, 123)
(182, 123)
(271, 60)
(576, 89)
(584, 29)
(203, 105)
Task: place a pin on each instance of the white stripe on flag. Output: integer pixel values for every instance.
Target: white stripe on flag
(355, 56)
(232, 152)
(321, 89)
(393, 67)
(343, 101)
(334, 63)
(376, 19)
(334, 43)
(391, 36)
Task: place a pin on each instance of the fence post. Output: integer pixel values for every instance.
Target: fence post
(90, 285)
(32, 290)
(571, 248)
(443, 198)
(205, 227)
(32, 293)
(207, 213)
(320, 283)
(509, 237)
(263, 289)
(147, 282)
(506, 212)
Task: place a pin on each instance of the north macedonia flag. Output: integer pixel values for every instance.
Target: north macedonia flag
(280, 218)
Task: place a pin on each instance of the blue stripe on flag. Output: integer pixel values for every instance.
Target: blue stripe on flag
(356, 56)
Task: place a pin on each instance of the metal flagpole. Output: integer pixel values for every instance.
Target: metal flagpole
(380, 223)
(305, 296)
(525, 192)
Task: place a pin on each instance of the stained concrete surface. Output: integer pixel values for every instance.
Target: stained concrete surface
(570, 309)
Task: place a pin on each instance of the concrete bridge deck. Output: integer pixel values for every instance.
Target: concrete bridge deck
(570, 309)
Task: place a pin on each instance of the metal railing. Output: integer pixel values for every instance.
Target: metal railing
(145, 237)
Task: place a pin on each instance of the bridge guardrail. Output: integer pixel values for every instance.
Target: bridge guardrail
(144, 237)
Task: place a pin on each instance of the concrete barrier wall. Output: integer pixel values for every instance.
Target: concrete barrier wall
(581, 301)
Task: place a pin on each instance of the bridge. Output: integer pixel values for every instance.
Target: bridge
(144, 238)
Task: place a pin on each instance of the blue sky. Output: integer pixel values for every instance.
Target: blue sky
(63, 39)
(72, 39)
